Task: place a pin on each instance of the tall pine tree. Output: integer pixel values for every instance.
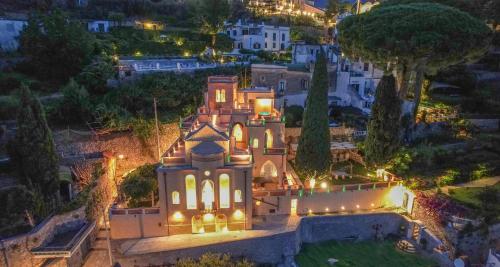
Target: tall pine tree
(33, 151)
(313, 152)
(383, 136)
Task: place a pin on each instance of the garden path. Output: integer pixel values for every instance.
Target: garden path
(477, 183)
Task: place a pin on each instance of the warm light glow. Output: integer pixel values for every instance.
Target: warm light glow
(357, 206)
(269, 138)
(220, 96)
(268, 170)
(209, 217)
(312, 183)
(324, 185)
(214, 119)
(255, 143)
(190, 192)
(372, 205)
(178, 216)
(224, 193)
(207, 173)
(310, 211)
(327, 209)
(238, 215)
(342, 208)
(121, 156)
(187, 54)
(207, 194)
(263, 105)
(258, 202)
(238, 133)
(237, 196)
(175, 198)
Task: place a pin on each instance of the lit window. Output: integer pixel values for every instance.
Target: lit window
(255, 143)
(220, 96)
(237, 196)
(175, 198)
(207, 194)
(269, 138)
(224, 191)
(190, 192)
(238, 133)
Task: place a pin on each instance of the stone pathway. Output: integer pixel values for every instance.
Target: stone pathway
(98, 255)
(477, 183)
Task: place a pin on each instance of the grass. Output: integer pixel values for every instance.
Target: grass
(469, 195)
(366, 253)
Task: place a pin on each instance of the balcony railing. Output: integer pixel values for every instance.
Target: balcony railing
(275, 151)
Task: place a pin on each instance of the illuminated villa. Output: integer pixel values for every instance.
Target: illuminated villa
(229, 164)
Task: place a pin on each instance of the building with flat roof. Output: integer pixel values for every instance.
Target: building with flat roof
(258, 36)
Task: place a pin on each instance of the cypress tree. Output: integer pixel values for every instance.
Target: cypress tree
(313, 152)
(383, 137)
(32, 151)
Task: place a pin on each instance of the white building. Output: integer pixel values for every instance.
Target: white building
(10, 29)
(356, 82)
(303, 53)
(99, 25)
(258, 36)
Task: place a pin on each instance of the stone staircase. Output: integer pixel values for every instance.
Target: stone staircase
(406, 246)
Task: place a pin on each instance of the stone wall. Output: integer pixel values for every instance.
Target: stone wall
(18, 248)
(282, 247)
(135, 151)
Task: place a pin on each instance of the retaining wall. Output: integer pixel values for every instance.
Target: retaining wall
(282, 247)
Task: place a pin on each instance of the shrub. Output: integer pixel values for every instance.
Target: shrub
(138, 185)
(449, 177)
(480, 172)
(293, 115)
(213, 260)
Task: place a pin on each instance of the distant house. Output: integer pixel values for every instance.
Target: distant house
(303, 53)
(149, 25)
(99, 25)
(10, 29)
(258, 36)
(285, 79)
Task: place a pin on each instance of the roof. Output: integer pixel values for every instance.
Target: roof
(207, 148)
(206, 132)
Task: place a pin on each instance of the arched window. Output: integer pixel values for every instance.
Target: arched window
(238, 132)
(207, 194)
(190, 192)
(255, 143)
(175, 198)
(269, 138)
(224, 191)
(268, 170)
(237, 196)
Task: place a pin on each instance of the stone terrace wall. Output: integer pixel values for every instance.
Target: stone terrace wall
(282, 247)
(18, 248)
(135, 151)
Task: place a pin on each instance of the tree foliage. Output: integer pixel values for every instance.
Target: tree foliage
(417, 37)
(95, 75)
(32, 151)
(313, 152)
(213, 14)
(55, 46)
(138, 185)
(382, 141)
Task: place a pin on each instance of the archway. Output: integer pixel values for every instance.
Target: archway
(238, 132)
(207, 194)
(268, 138)
(197, 225)
(221, 223)
(268, 170)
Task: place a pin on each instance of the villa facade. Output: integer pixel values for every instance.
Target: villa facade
(258, 36)
(233, 145)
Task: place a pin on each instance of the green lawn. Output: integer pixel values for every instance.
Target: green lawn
(363, 254)
(468, 195)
